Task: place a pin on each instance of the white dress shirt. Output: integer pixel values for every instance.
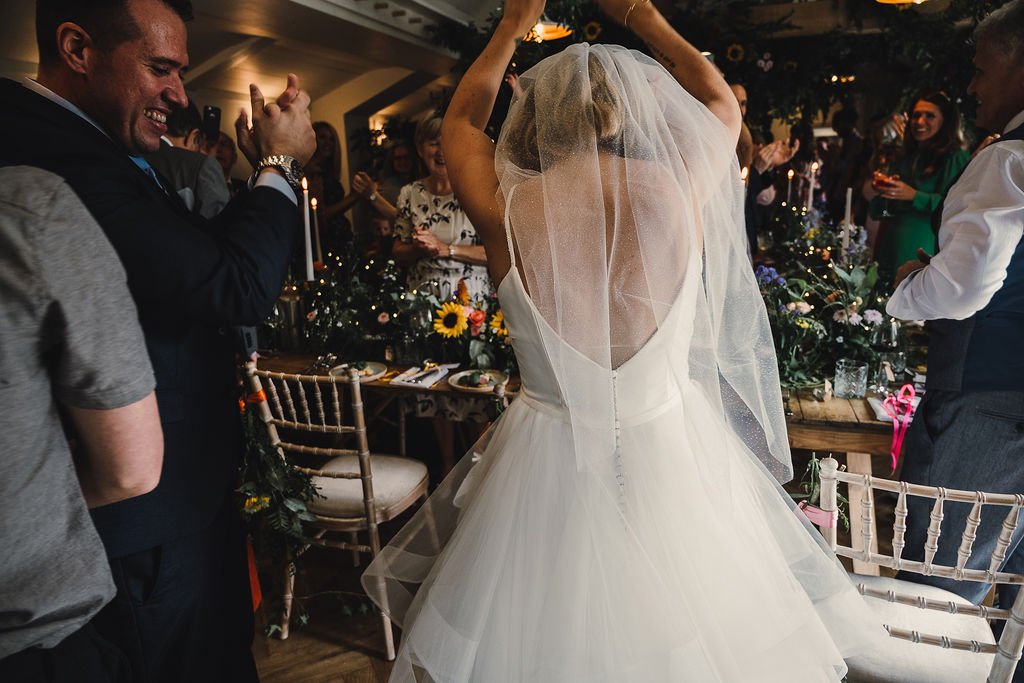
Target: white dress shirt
(982, 224)
(264, 179)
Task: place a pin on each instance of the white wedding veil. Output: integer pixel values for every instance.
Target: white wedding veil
(625, 203)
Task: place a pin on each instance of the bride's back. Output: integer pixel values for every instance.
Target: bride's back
(583, 261)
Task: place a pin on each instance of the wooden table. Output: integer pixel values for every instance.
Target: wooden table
(842, 426)
(835, 426)
(300, 363)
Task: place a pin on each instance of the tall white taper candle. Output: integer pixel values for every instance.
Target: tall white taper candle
(305, 221)
(846, 223)
(316, 230)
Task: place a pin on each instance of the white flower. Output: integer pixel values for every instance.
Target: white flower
(872, 317)
(855, 319)
(840, 339)
(840, 316)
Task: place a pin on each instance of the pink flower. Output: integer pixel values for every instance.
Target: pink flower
(476, 319)
(311, 316)
(383, 318)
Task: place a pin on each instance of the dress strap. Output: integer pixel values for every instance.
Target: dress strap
(508, 228)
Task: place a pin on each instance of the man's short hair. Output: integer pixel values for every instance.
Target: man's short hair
(182, 121)
(1004, 29)
(108, 22)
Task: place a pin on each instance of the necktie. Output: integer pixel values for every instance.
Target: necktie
(148, 170)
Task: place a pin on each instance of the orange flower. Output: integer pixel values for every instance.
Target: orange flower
(463, 293)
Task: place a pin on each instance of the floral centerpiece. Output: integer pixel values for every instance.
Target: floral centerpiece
(474, 330)
(362, 307)
(825, 301)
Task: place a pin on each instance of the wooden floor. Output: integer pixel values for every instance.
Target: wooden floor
(340, 643)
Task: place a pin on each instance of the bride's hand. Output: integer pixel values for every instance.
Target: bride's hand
(619, 9)
(522, 15)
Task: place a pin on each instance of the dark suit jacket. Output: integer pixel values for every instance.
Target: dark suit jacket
(190, 279)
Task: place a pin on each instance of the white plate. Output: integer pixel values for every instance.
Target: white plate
(496, 377)
(371, 372)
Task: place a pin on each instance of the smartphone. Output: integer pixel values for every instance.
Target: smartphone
(211, 123)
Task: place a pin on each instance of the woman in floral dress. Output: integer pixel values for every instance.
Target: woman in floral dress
(434, 237)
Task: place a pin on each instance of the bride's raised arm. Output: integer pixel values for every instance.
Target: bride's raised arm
(685, 62)
(469, 153)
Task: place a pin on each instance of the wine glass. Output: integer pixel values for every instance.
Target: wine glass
(888, 149)
(885, 340)
(880, 181)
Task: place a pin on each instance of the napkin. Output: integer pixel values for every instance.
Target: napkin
(881, 415)
(418, 377)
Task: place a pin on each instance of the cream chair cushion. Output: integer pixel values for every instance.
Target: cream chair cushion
(901, 661)
(394, 478)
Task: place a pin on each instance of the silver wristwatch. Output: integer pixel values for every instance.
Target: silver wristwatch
(289, 167)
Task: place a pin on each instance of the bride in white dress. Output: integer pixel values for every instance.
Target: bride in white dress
(622, 521)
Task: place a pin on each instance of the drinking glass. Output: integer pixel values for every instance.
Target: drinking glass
(851, 379)
(885, 340)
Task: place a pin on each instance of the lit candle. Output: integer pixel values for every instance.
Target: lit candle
(789, 186)
(846, 223)
(810, 185)
(305, 220)
(316, 230)
(745, 175)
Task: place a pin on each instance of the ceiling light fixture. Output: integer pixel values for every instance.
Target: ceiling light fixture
(546, 30)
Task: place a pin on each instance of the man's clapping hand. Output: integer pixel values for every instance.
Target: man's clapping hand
(279, 127)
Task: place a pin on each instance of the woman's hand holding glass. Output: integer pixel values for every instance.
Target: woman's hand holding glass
(891, 187)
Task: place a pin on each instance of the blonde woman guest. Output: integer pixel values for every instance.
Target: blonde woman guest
(434, 237)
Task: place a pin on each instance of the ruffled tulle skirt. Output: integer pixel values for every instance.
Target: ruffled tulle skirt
(683, 561)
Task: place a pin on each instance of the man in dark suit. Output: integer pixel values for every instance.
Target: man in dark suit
(197, 178)
(109, 74)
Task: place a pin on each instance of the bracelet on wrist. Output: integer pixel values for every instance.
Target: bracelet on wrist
(451, 251)
(636, 3)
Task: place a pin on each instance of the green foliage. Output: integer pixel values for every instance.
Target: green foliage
(822, 304)
(359, 305)
(356, 301)
(273, 494)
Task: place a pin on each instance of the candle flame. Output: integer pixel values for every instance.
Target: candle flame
(814, 167)
(305, 186)
(312, 202)
(791, 174)
(744, 172)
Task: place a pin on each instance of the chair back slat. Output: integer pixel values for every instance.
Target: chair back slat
(336, 404)
(931, 545)
(318, 403)
(899, 526)
(867, 516)
(300, 390)
(1005, 537)
(289, 405)
(274, 399)
(963, 553)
